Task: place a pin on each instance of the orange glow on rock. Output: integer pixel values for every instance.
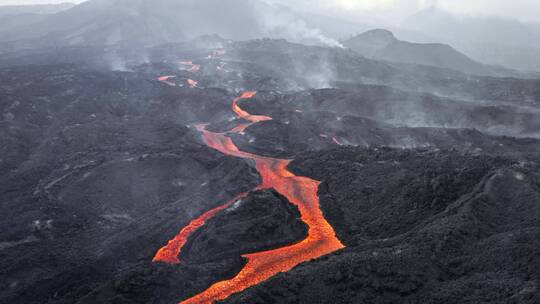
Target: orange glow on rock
(241, 128)
(245, 115)
(248, 95)
(192, 83)
(171, 253)
(300, 191)
(192, 67)
(336, 141)
(165, 79)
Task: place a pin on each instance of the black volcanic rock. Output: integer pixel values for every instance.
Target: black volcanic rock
(375, 116)
(308, 67)
(152, 283)
(263, 220)
(420, 227)
(101, 167)
(99, 171)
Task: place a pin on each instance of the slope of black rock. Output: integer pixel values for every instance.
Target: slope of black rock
(275, 64)
(99, 170)
(420, 227)
(263, 220)
(322, 67)
(375, 116)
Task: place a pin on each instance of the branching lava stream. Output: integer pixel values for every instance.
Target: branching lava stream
(300, 191)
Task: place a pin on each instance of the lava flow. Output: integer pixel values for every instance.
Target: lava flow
(300, 191)
(192, 83)
(165, 79)
(192, 67)
(336, 141)
(171, 253)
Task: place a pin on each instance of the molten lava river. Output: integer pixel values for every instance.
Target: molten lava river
(300, 191)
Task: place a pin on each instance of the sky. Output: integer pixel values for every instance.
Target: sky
(24, 2)
(524, 10)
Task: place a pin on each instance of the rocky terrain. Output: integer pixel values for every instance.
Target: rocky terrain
(429, 176)
(420, 227)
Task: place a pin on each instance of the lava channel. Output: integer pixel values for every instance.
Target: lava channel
(337, 142)
(300, 191)
(165, 79)
(192, 83)
(192, 67)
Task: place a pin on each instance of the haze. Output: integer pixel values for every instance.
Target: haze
(392, 10)
(269, 151)
(524, 10)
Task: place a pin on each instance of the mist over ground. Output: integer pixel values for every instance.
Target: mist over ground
(497, 33)
(269, 151)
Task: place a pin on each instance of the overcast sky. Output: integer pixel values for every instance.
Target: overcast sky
(21, 2)
(525, 10)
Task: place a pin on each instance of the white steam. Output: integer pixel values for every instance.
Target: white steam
(281, 22)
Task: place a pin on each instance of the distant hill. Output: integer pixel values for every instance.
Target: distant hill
(493, 40)
(16, 16)
(382, 44)
(151, 22)
(34, 9)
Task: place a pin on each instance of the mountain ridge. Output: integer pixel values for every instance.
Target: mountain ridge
(497, 41)
(383, 45)
(162, 21)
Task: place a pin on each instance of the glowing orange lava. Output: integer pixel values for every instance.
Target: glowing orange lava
(165, 79)
(336, 141)
(245, 115)
(192, 67)
(192, 83)
(171, 253)
(300, 191)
